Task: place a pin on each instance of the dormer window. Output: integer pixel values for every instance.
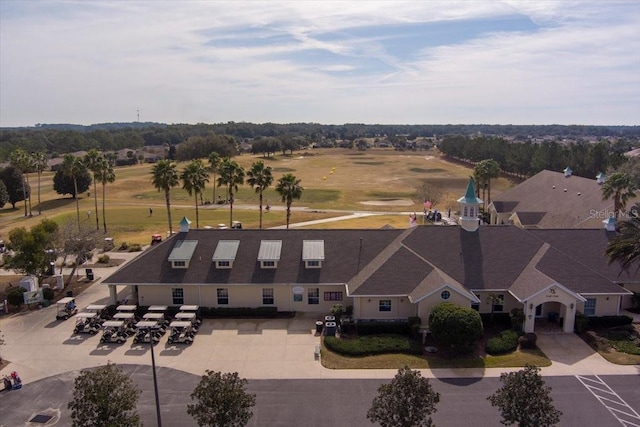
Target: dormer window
(313, 253)
(269, 253)
(225, 253)
(182, 252)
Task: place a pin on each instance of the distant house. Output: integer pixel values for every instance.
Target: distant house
(553, 200)
(386, 274)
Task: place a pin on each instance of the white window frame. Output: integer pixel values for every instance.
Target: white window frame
(268, 296)
(384, 305)
(222, 294)
(268, 264)
(313, 296)
(590, 306)
(177, 296)
(224, 265)
(180, 264)
(313, 263)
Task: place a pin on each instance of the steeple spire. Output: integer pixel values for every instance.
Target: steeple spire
(470, 208)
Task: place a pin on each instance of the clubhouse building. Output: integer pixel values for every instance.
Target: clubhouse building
(387, 273)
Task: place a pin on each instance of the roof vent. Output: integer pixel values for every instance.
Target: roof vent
(579, 194)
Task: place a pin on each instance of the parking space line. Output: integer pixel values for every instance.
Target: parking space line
(616, 405)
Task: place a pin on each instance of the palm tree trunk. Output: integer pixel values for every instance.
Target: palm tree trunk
(95, 198)
(260, 209)
(39, 203)
(104, 217)
(24, 194)
(75, 190)
(288, 213)
(197, 215)
(168, 201)
(214, 189)
(30, 211)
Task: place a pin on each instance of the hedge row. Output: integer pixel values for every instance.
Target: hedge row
(505, 342)
(499, 319)
(373, 344)
(609, 321)
(382, 328)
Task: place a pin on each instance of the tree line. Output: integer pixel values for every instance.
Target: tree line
(55, 139)
(527, 158)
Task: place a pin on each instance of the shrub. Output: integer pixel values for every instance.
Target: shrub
(337, 310)
(373, 344)
(123, 246)
(349, 310)
(502, 320)
(14, 296)
(48, 294)
(104, 259)
(581, 323)
(382, 328)
(135, 247)
(505, 342)
(528, 341)
(454, 326)
(609, 321)
(517, 319)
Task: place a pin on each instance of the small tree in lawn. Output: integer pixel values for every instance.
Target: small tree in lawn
(408, 401)
(458, 328)
(523, 399)
(104, 397)
(221, 401)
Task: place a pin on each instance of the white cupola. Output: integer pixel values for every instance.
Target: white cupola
(470, 208)
(601, 178)
(184, 225)
(567, 172)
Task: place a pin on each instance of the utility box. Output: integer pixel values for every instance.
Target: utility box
(89, 272)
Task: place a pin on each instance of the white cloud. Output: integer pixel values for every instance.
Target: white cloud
(88, 62)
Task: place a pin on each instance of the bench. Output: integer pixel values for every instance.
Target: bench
(316, 353)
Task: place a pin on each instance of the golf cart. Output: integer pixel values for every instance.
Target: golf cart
(181, 332)
(159, 318)
(114, 331)
(87, 323)
(128, 320)
(99, 309)
(128, 309)
(192, 309)
(188, 317)
(147, 331)
(65, 308)
(155, 239)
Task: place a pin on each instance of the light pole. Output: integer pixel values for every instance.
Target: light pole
(155, 379)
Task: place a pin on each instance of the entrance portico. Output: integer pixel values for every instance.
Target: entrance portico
(553, 293)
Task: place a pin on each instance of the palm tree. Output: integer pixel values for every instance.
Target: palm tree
(619, 187)
(214, 164)
(22, 161)
(194, 177)
(92, 161)
(39, 160)
(231, 175)
(260, 177)
(625, 246)
(165, 177)
(492, 170)
(71, 167)
(105, 174)
(289, 188)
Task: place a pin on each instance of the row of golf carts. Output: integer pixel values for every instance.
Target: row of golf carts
(146, 329)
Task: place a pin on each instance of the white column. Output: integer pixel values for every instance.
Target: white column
(570, 317)
(113, 295)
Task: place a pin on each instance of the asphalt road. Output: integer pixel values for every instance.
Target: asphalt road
(329, 402)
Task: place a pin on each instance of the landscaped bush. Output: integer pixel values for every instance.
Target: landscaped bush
(381, 328)
(581, 322)
(14, 296)
(373, 344)
(104, 259)
(517, 319)
(48, 294)
(609, 321)
(135, 247)
(505, 342)
(123, 246)
(457, 327)
(528, 341)
(502, 320)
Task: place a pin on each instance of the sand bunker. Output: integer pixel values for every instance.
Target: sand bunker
(388, 202)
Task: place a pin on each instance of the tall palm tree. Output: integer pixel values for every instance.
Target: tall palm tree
(625, 246)
(214, 165)
(260, 177)
(39, 160)
(22, 161)
(194, 177)
(71, 167)
(492, 170)
(289, 188)
(105, 174)
(92, 161)
(231, 175)
(164, 178)
(619, 187)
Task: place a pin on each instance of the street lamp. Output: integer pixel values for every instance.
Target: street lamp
(150, 331)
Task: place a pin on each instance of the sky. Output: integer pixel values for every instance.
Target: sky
(330, 62)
